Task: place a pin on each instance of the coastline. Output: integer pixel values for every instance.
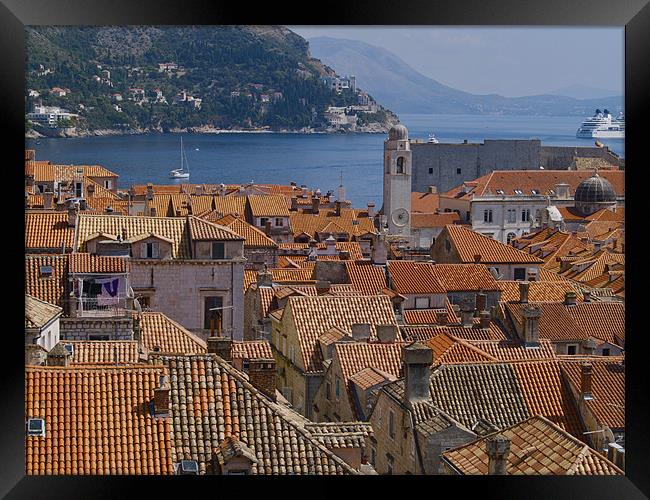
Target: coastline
(375, 128)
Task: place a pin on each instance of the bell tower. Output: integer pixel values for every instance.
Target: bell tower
(397, 181)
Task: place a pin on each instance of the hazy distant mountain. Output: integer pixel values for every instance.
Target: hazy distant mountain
(401, 88)
(585, 92)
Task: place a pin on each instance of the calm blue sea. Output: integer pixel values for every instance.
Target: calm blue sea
(316, 160)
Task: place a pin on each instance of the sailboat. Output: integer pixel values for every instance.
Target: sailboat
(179, 173)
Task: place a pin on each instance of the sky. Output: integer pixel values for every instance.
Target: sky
(508, 61)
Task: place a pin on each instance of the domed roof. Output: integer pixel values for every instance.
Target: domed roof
(595, 189)
(398, 133)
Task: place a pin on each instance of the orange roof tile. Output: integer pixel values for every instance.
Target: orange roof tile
(268, 206)
(425, 203)
(160, 333)
(203, 230)
(252, 349)
(253, 236)
(85, 263)
(433, 220)
(49, 288)
(48, 232)
(411, 277)
(103, 351)
(365, 276)
(464, 277)
(538, 291)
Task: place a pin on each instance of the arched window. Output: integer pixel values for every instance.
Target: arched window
(510, 237)
(400, 165)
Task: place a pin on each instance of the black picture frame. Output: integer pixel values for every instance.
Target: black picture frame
(633, 14)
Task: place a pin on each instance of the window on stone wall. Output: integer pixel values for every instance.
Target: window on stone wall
(430, 170)
(487, 215)
(511, 216)
(400, 165)
(571, 349)
(525, 215)
(458, 171)
(338, 388)
(218, 250)
(391, 424)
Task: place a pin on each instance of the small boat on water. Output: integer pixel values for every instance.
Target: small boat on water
(432, 139)
(181, 173)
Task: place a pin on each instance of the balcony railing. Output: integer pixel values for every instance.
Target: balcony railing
(93, 307)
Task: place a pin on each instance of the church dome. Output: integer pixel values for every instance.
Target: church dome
(398, 133)
(595, 189)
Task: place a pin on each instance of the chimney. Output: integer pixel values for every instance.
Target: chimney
(337, 208)
(261, 374)
(386, 333)
(344, 255)
(48, 198)
(73, 213)
(570, 299)
(137, 329)
(442, 317)
(264, 278)
(178, 212)
(323, 287)
(531, 316)
(35, 355)
(153, 212)
(198, 189)
(498, 450)
(417, 359)
(303, 191)
(221, 346)
(267, 228)
(149, 191)
(371, 209)
(477, 258)
(58, 356)
(361, 332)
(125, 234)
(294, 204)
(315, 205)
(524, 287)
(379, 251)
(90, 191)
(330, 245)
(466, 312)
(485, 319)
(433, 190)
(481, 302)
(585, 382)
(161, 397)
(586, 294)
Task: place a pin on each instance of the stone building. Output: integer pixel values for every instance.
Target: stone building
(397, 182)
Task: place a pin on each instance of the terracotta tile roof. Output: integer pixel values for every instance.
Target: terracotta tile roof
(173, 228)
(464, 277)
(88, 263)
(448, 349)
(48, 231)
(607, 387)
(99, 205)
(350, 221)
(39, 313)
(292, 275)
(230, 204)
(538, 291)
(354, 357)
(429, 316)
(50, 289)
(513, 350)
(541, 180)
(555, 324)
(47, 172)
(469, 243)
(570, 214)
(268, 206)
(341, 435)
(366, 277)
(550, 244)
(313, 316)
(162, 203)
(162, 334)
(547, 393)
(97, 421)
(538, 447)
(103, 351)
(203, 230)
(253, 236)
(425, 203)
(370, 376)
(433, 220)
(411, 277)
(211, 401)
(35, 201)
(141, 189)
(252, 349)
(603, 320)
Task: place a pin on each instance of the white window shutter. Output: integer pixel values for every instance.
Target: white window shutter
(155, 250)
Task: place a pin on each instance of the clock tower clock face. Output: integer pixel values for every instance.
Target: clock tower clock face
(400, 217)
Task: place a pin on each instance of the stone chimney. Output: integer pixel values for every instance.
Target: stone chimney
(221, 346)
(330, 245)
(137, 328)
(466, 312)
(58, 356)
(570, 299)
(267, 228)
(585, 382)
(261, 374)
(433, 190)
(586, 294)
(379, 251)
(304, 192)
(198, 189)
(485, 319)
(178, 212)
(498, 450)
(153, 212)
(149, 196)
(477, 258)
(524, 288)
(337, 208)
(531, 315)
(161, 397)
(264, 278)
(417, 359)
(481, 302)
(371, 209)
(35, 355)
(48, 198)
(294, 204)
(386, 333)
(361, 332)
(323, 286)
(315, 205)
(442, 317)
(90, 191)
(73, 213)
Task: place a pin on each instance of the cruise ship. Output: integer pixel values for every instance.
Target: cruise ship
(602, 125)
